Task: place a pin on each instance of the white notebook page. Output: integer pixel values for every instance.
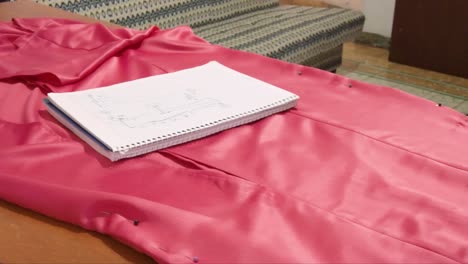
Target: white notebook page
(144, 109)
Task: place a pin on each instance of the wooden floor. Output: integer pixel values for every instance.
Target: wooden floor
(371, 65)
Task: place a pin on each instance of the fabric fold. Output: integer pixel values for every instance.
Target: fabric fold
(356, 173)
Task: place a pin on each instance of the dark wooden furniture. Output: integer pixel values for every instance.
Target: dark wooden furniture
(431, 34)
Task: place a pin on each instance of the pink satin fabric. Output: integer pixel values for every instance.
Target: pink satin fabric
(356, 173)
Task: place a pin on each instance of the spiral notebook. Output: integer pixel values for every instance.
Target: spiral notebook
(136, 117)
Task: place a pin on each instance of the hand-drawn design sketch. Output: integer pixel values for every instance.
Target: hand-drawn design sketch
(149, 111)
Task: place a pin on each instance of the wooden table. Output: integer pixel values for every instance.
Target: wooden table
(28, 237)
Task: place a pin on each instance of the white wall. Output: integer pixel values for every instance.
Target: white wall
(379, 16)
(379, 13)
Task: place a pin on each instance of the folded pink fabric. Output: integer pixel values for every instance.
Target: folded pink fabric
(355, 173)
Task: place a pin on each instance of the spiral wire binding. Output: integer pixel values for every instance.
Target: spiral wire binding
(170, 139)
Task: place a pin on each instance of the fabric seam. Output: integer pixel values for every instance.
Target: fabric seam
(271, 192)
(379, 140)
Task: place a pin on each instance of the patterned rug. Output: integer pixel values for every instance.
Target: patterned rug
(374, 40)
(458, 103)
(371, 65)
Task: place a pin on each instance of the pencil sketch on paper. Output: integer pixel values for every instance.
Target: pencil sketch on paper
(144, 111)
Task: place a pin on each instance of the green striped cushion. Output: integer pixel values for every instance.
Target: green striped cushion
(291, 33)
(140, 14)
(304, 35)
(224, 9)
